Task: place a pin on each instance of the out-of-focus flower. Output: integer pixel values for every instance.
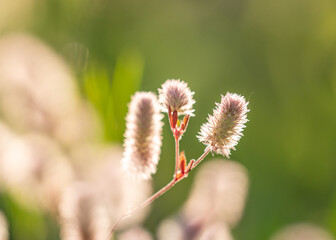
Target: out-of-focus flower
(177, 95)
(43, 115)
(214, 206)
(170, 229)
(57, 176)
(224, 128)
(136, 233)
(302, 231)
(101, 167)
(218, 194)
(215, 231)
(38, 92)
(179, 229)
(83, 215)
(143, 135)
(3, 227)
(33, 168)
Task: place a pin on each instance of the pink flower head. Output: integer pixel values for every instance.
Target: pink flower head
(177, 95)
(224, 128)
(143, 135)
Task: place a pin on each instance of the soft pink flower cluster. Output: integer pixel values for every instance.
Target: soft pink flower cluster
(143, 134)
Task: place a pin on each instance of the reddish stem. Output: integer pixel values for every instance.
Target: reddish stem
(177, 155)
(161, 191)
(174, 119)
(178, 176)
(145, 203)
(206, 152)
(170, 118)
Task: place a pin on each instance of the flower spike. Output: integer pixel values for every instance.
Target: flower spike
(224, 128)
(177, 95)
(143, 135)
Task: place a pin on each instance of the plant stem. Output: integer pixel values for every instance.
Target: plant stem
(206, 152)
(162, 190)
(145, 203)
(177, 155)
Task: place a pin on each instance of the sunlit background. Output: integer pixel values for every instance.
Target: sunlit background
(69, 67)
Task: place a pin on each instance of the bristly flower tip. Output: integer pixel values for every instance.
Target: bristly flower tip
(143, 135)
(224, 128)
(177, 95)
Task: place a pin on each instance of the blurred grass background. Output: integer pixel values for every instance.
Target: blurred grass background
(281, 55)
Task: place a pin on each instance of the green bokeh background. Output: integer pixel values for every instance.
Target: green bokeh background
(281, 55)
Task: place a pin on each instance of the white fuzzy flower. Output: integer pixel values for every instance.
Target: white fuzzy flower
(143, 135)
(224, 128)
(177, 95)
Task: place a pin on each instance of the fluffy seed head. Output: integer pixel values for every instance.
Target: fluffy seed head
(177, 95)
(224, 128)
(143, 135)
